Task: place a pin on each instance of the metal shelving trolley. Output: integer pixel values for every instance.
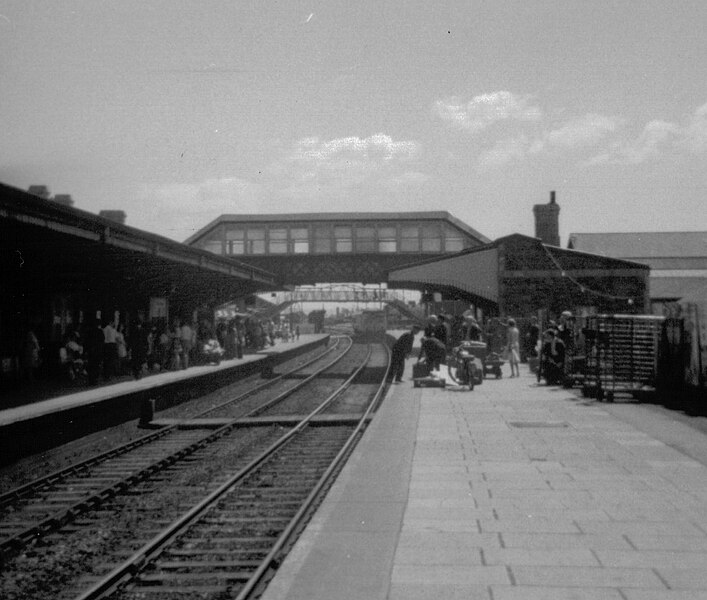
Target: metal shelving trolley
(621, 355)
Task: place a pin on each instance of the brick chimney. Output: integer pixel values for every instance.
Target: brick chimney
(547, 226)
(118, 216)
(40, 190)
(64, 199)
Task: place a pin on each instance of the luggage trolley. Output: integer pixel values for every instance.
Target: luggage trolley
(621, 355)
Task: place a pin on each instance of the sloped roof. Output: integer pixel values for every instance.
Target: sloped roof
(674, 288)
(20, 208)
(453, 271)
(482, 261)
(642, 245)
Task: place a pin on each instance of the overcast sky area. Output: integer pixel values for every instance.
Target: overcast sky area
(179, 111)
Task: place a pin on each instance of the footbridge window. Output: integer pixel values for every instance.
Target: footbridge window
(431, 238)
(453, 240)
(365, 239)
(255, 241)
(322, 240)
(387, 239)
(299, 237)
(213, 243)
(409, 238)
(235, 241)
(277, 243)
(343, 239)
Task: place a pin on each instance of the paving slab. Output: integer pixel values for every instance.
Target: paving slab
(512, 491)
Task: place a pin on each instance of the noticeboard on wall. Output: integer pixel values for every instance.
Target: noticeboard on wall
(158, 308)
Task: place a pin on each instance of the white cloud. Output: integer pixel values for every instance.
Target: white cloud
(587, 130)
(335, 167)
(578, 133)
(373, 151)
(484, 110)
(658, 139)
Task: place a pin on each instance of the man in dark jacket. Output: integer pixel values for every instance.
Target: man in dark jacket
(400, 351)
(95, 340)
(139, 346)
(552, 358)
(434, 352)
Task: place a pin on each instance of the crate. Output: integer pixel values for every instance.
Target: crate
(621, 354)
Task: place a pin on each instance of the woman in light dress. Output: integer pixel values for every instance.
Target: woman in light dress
(513, 347)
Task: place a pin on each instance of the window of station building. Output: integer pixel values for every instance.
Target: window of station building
(343, 239)
(235, 241)
(387, 239)
(431, 238)
(365, 239)
(322, 240)
(255, 242)
(453, 240)
(409, 238)
(277, 241)
(300, 240)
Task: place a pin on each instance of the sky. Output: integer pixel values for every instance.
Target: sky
(179, 111)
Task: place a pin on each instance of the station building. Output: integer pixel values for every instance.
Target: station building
(678, 260)
(519, 276)
(62, 268)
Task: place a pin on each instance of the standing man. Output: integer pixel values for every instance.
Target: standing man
(186, 338)
(402, 348)
(139, 346)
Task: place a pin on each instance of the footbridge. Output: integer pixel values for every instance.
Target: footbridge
(285, 300)
(312, 248)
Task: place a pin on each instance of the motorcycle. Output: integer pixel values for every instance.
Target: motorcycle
(464, 365)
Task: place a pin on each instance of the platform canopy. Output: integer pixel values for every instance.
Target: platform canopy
(519, 275)
(48, 248)
(474, 272)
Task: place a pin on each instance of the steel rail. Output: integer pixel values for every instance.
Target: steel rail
(274, 557)
(148, 552)
(18, 492)
(68, 514)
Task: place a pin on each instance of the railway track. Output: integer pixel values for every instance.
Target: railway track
(33, 510)
(237, 518)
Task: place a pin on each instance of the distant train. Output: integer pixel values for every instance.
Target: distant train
(370, 324)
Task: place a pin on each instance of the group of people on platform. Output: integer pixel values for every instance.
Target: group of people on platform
(443, 332)
(106, 350)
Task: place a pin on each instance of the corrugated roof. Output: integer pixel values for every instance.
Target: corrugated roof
(642, 245)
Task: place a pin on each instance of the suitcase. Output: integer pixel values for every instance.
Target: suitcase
(419, 370)
(430, 382)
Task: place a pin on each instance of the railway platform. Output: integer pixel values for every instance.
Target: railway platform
(512, 491)
(37, 426)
